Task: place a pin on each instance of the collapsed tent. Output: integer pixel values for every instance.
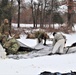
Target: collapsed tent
(41, 47)
(35, 49)
(41, 50)
(26, 46)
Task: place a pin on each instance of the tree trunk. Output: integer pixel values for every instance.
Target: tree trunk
(18, 13)
(33, 17)
(10, 19)
(41, 16)
(70, 13)
(52, 14)
(44, 14)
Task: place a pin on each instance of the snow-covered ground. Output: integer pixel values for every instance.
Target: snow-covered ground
(34, 66)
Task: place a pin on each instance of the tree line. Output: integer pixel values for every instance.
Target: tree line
(43, 12)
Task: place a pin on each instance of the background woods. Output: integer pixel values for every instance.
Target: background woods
(43, 12)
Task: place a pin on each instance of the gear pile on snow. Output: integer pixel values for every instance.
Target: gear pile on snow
(57, 73)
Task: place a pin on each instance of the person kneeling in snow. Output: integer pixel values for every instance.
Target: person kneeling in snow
(58, 43)
(11, 45)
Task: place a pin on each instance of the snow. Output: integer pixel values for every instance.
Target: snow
(62, 8)
(70, 39)
(36, 65)
(28, 42)
(24, 25)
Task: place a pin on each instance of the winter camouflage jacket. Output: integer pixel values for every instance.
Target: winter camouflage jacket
(5, 29)
(58, 37)
(11, 46)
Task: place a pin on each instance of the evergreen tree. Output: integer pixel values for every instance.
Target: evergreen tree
(4, 3)
(57, 18)
(6, 9)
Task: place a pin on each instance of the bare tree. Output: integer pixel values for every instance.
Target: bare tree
(18, 12)
(32, 7)
(10, 19)
(70, 13)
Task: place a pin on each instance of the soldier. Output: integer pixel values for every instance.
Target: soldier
(11, 45)
(42, 36)
(5, 28)
(58, 43)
